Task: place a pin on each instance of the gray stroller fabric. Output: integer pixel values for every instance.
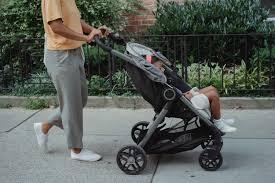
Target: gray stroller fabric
(150, 70)
(136, 51)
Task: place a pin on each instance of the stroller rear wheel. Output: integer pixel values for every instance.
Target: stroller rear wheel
(139, 131)
(209, 142)
(210, 159)
(131, 159)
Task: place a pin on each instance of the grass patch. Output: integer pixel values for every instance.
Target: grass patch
(35, 103)
(5, 106)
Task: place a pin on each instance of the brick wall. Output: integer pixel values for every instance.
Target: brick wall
(144, 18)
(140, 21)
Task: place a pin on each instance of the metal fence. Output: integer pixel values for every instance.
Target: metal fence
(237, 64)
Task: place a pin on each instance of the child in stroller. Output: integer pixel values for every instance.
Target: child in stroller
(205, 99)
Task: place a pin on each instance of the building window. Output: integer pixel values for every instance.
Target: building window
(270, 5)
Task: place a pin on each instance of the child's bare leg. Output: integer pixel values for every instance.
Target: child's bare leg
(208, 89)
(214, 101)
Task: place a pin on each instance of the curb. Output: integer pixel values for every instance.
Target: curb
(137, 102)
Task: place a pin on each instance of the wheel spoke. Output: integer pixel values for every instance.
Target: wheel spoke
(132, 151)
(123, 158)
(205, 157)
(139, 159)
(213, 163)
(125, 166)
(140, 128)
(138, 166)
(125, 154)
(134, 166)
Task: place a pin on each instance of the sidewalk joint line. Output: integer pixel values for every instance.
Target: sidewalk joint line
(248, 138)
(23, 121)
(155, 171)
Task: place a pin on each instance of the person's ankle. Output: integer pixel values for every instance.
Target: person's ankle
(76, 150)
(45, 128)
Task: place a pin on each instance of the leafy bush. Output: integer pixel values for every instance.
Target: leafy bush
(119, 85)
(210, 16)
(5, 106)
(97, 85)
(219, 18)
(37, 85)
(108, 12)
(35, 103)
(23, 17)
(227, 79)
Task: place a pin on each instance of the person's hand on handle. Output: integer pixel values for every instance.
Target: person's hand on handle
(105, 30)
(94, 33)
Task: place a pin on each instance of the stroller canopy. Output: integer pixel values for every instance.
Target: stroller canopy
(137, 51)
(140, 50)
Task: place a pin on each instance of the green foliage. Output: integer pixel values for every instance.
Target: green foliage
(23, 17)
(120, 85)
(108, 12)
(35, 103)
(40, 85)
(5, 106)
(37, 85)
(96, 55)
(2, 3)
(97, 85)
(210, 16)
(226, 78)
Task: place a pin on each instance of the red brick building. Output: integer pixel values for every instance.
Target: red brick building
(144, 18)
(140, 21)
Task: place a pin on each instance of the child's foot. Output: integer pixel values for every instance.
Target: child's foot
(85, 155)
(42, 138)
(221, 125)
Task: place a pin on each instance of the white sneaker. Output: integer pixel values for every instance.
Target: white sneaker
(85, 155)
(42, 139)
(224, 127)
(228, 121)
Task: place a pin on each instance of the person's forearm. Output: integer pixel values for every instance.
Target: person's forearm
(86, 27)
(61, 29)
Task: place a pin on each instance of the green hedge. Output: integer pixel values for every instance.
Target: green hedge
(210, 16)
(23, 17)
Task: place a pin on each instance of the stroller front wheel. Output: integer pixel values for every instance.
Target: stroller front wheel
(210, 159)
(131, 159)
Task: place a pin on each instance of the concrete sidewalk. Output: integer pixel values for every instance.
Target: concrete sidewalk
(249, 154)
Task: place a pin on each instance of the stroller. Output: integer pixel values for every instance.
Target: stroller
(194, 128)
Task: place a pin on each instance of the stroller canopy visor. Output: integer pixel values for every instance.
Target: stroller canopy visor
(137, 52)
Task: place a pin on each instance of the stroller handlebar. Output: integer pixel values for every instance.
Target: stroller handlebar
(101, 44)
(113, 36)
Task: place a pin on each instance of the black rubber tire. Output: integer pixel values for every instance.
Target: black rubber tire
(131, 159)
(210, 159)
(209, 143)
(138, 131)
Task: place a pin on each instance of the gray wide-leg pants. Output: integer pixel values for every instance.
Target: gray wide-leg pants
(66, 69)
